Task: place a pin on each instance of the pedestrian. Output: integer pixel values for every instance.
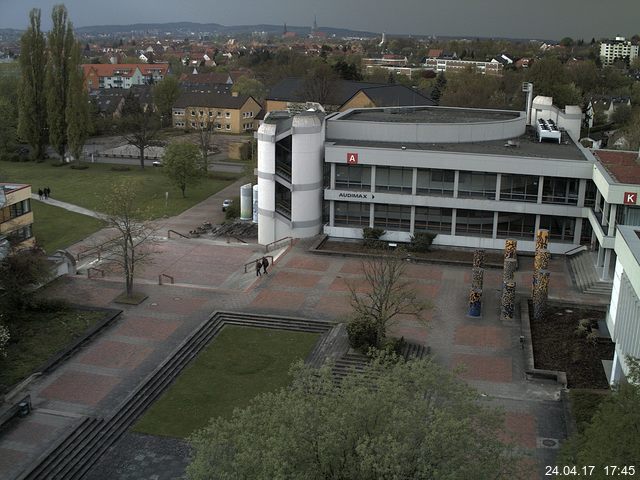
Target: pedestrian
(258, 266)
(40, 193)
(265, 264)
(47, 192)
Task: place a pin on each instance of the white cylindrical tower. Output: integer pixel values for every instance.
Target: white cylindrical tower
(246, 201)
(266, 136)
(254, 217)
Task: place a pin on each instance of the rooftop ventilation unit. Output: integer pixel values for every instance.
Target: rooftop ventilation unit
(548, 130)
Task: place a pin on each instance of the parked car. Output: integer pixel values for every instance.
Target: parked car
(157, 163)
(226, 204)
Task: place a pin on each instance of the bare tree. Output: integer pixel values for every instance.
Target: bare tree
(388, 293)
(141, 130)
(129, 246)
(205, 135)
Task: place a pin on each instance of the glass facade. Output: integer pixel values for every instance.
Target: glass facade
(476, 223)
(561, 229)
(560, 190)
(519, 188)
(283, 158)
(516, 225)
(590, 194)
(394, 179)
(435, 182)
(392, 217)
(353, 177)
(351, 214)
(433, 220)
(283, 201)
(477, 185)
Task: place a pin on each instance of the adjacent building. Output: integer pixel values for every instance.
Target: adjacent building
(453, 65)
(16, 217)
(618, 49)
(227, 113)
(122, 75)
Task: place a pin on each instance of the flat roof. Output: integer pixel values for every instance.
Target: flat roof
(10, 187)
(523, 146)
(631, 236)
(623, 166)
(430, 115)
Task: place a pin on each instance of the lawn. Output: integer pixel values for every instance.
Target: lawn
(56, 228)
(240, 363)
(88, 188)
(37, 336)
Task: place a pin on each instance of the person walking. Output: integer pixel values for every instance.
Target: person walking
(258, 266)
(265, 264)
(40, 193)
(47, 192)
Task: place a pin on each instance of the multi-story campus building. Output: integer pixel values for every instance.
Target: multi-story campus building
(16, 217)
(475, 177)
(619, 48)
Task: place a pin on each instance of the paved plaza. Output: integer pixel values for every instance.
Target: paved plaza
(210, 276)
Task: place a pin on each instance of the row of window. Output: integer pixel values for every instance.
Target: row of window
(210, 114)
(15, 210)
(20, 235)
(476, 223)
(519, 188)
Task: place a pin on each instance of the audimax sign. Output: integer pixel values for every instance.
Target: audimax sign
(358, 195)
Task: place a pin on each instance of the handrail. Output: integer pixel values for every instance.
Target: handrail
(97, 248)
(165, 275)
(177, 233)
(96, 269)
(266, 247)
(579, 248)
(254, 262)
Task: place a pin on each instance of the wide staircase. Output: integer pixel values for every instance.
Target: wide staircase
(585, 276)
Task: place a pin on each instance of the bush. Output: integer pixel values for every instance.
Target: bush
(49, 305)
(371, 237)
(59, 164)
(120, 168)
(79, 166)
(233, 210)
(362, 334)
(421, 241)
(392, 346)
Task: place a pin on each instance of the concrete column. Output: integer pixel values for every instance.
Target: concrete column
(494, 232)
(540, 187)
(600, 259)
(616, 370)
(332, 181)
(371, 215)
(596, 207)
(537, 224)
(613, 209)
(456, 181)
(373, 178)
(332, 213)
(577, 231)
(498, 186)
(606, 264)
(582, 192)
(412, 222)
(414, 183)
(454, 214)
(605, 214)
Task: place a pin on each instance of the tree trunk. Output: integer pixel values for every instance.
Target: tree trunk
(142, 158)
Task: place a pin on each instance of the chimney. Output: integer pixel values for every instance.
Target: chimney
(234, 94)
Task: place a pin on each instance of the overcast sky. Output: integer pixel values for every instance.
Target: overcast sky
(549, 19)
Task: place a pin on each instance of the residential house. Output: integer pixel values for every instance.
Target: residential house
(289, 94)
(122, 75)
(227, 113)
(16, 217)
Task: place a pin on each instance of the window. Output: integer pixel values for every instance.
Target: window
(201, 124)
(193, 113)
(435, 182)
(477, 223)
(20, 234)
(353, 177)
(560, 228)
(351, 214)
(228, 127)
(516, 225)
(227, 115)
(201, 113)
(392, 217)
(590, 194)
(394, 179)
(20, 208)
(477, 185)
(210, 113)
(560, 190)
(193, 124)
(433, 219)
(519, 188)
(218, 126)
(219, 114)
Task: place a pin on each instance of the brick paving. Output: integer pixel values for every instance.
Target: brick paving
(95, 380)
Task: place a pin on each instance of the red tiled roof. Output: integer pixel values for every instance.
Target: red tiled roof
(624, 167)
(434, 53)
(124, 69)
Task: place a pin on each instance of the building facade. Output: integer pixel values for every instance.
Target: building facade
(122, 75)
(16, 217)
(618, 48)
(221, 112)
(456, 65)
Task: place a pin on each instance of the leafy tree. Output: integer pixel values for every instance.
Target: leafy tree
(20, 273)
(567, 42)
(388, 293)
(141, 130)
(205, 136)
(32, 101)
(421, 241)
(250, 86)
(621, 115)
(632, 132)
(128, 247)
(549, 78)
(60, 45)
(471, 89)
(347, 71)
(439, 87)
(319, 83)
(4, 337)
(613, 435)
(165, 94)
(8, 116)
(398, 420)
(77, 113)
(180, 164)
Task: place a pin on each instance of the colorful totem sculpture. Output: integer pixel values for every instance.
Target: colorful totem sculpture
(508, 300)
(475, 302)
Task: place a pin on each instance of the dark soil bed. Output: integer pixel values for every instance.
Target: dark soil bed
(435, 254)
(558, 344)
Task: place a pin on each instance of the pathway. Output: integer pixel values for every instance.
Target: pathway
(69, 206)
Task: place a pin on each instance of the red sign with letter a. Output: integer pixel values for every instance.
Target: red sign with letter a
(352, 158)
(630, 198)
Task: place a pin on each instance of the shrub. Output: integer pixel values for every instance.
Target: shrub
(362, 334)
(393, 345)
(59, 164)
(233, 210)
(371, 237)
(421, 241)
(79, 166)
(49, 305)
(120, 168)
